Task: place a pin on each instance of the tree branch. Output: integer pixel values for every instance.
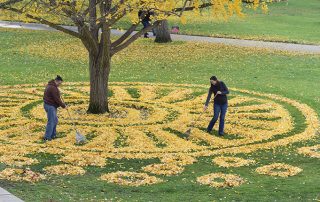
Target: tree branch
(87, 11)
(46, 22)
(125, 35)
(113, 13)
(184, 6)
(93, 18)
(7, 3)
(88, 38)
(125, 44)
(190, 8)
(105, 41)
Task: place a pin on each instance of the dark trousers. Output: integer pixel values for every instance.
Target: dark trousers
(218, 110)
(146, 24)
(52, 122)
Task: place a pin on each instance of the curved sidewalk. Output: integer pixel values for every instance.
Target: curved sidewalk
(299, 48)
(5, 196)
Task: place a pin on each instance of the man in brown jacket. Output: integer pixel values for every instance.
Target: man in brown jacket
(52, 101)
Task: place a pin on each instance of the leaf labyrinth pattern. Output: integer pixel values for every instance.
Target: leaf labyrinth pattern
(146, 121)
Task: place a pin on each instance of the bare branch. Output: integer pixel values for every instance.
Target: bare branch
(114, 13)
(87, 10)
(125, 44)
(184, 6)
(93, 18)
(125, 35)
(87, 38)
(46, 22)
(8, 3)
(190, 8)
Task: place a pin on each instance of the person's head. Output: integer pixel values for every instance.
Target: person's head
(58, 80)
(214, 80)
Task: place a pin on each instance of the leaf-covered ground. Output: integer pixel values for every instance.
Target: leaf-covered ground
(29, 57)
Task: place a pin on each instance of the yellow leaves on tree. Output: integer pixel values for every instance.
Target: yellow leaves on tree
(55, 11)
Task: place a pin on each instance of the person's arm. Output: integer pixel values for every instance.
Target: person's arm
(225, 89)
(208, 97)
(56, 97)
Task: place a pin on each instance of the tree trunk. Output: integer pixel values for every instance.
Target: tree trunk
(99, 77)
(163, 32)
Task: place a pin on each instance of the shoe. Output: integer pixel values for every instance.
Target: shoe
(46, 139)
(208, 131)
(221, 134)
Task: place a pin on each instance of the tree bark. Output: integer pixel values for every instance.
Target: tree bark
(163, 32)
(99, 68)
(99, 77)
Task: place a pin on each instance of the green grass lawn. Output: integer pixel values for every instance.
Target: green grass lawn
(293, 21)
(30, 57)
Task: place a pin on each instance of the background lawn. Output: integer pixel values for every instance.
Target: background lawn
(293, 21)
(29, 57)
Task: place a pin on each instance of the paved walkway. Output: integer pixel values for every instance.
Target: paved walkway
(7, 197)
(301, 48)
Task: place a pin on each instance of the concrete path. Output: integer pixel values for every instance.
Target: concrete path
(300, 48)
(7, 197)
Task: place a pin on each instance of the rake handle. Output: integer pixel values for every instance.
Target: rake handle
(196, 120)
(70, 117)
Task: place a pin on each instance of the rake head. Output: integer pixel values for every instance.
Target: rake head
(80, 138)
(188, 132)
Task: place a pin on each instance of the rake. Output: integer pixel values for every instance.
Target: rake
(188, 132)
(79, 137)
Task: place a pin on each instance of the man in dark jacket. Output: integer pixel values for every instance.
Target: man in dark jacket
(52, 101)
(145, 20)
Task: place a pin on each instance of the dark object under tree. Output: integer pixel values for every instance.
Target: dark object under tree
(163, 32)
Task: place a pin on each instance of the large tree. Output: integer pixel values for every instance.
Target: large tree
(163, 32)
(94, 20)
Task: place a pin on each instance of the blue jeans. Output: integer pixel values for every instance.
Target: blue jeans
(218, 109)
(146, 24)
(52, 121)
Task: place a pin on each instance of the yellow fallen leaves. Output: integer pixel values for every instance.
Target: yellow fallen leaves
(279, 169)
(163, 169)
(227, 161)
(84, 159)
(72, 50)
(128, 135)
(178, 159)
(21, 175)
(65, 169)
(18, 161)
(130, 178)
(150, 125)
(172, 164)
(313, 151)
(229, 180)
